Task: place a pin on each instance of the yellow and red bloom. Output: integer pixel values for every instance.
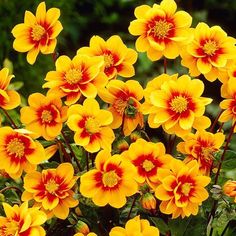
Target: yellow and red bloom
(118, 59)
(38, 32)
(147, 157)
(44, 116)
(161, 29)
(201, 146)
(229, 189)
(124, 98)
(182, 188)
(19, 152)
(81, 75)
(22, 221)
(178, 106)
(89, 234)
(209, 52)
(111, 182)
(229, 103)
(51, 190)
(9, 99)
(91, 126)
(135, 226)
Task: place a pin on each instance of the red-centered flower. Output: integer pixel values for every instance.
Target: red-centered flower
(147, 157)
(44, 116)
(19, 152)
(161, 29)
(38, 33)
(81, 75)
(124, 98)
(52, 190)
(201, 147)
(118, 59)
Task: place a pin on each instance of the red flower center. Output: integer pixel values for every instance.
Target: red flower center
(37, 32)
(110, 179)
(185, 188)
(51, 186)
(179, 104)
(210, 47)
(148, 165)
(109, 60)
(73, 76)
(161, 28)
(46, 116)
(16, 147)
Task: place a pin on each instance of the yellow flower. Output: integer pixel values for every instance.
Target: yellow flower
(124, 98)
(147, 157)
(9, 99)
(89, 234)
(161, 30)
(228, 104)
(209, 52)
(22, 221)
(91, 126)
(111, 182)
(38, 33)
(19, 152)
(135, 226)
(81, 75)
(201, 146)
(182, 188)
(118, 59)
(229, 189)
(178, 106)
(51, 190)
(44, 116)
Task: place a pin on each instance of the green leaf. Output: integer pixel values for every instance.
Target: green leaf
(160, 224)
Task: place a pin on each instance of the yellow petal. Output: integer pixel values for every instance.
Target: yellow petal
(41, 12)
(32, 55)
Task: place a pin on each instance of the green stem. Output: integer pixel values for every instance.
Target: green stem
(132, 206)
(10, 119)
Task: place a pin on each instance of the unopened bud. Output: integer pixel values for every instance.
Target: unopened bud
(148, 201)
(135, 135)
(82, 227)
(122, 145)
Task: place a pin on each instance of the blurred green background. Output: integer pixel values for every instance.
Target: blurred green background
(82, 19)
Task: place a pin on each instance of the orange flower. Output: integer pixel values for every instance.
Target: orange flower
(124, 98)
(51, 190)
(81, 75)
(135, 226)
(19, 152)
(147, 157)
(201, 147)
(9, 99)
(162, 30)
(209, 52)
(111, 182)
(118, 58)
(37, 33)
(44, 116)
(178, 107)
(229, 189)
(91, 126)
(182, 188)
(22, 221)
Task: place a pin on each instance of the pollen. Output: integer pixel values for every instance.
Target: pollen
(73, 76)
(92, 125)
(109, 60)
(147, 165)
(162, 28)
(210, 47)
(37, 32)
(110, 179)
(11, 228)
(185, 188)
(16, 147)
(51, 186)
(120, 105)
(179, 104)
(46, 116)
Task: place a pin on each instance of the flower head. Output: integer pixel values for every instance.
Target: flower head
(52, 190)
(19, 152)
(229, 189)
(89, 234)
(147, 157)
(118, 59)
(178, 106)
(135, 226)
(9, 99)
(22, 221)
(44, 116)
(38, 32)
(111, 182)
(209, 52)
(148, 201)
(81, 75)
(182, 188)
(201, 146)
(161, 29)
(124, 98)
(91, 126)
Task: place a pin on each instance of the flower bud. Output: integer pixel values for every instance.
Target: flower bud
(122, 145)
(82, 227)
(229, 189)
(148, 201)
(135, 136)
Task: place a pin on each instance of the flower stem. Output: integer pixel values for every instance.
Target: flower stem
(132, 206)
(11, 187)
(10, 119)
(215, 121)
(165, 65)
